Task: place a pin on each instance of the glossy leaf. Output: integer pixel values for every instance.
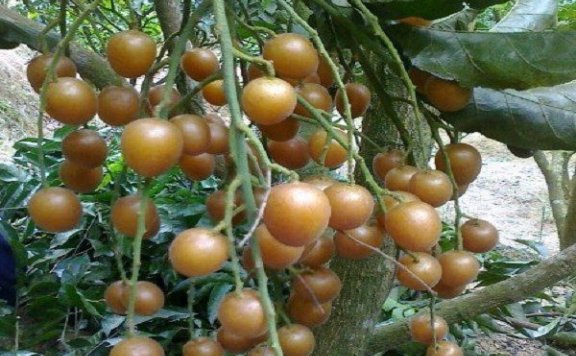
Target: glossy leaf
(494, 60)
(542, 118)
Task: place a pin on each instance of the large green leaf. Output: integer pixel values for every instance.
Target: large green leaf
(494, 60)
(541, 118)
(529, 15)
(428, 9)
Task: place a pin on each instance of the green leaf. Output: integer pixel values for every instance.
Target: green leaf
(216, 296)
(428, 9)
(542, 118)
(493, 60)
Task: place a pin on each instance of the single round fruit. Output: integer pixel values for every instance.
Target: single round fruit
(218, 135)
(113, 297)
(216, 205)
(214, 94)
(390, 202)
(414, 226)
(431, 186)
(156, 94)
(296, 340)
(444, 348)
(199, 63)
(465, 162)
(359, 97)
(55, 209)
(478, 235)
(292, 154)
(85, 148)
(447, 292)
(307, 313)
(282, 131)
(383, 162)
(247, 261)
(296, 213)
(421, 328)
(321, 182)
(419, 78)
(415, 21)
(235, 343)
(328, 153)
(292, 54)
(318, 252)
(137, 346)
(243, 314)
(446, 95)
(399, 178)
(38, 66)
(131, 53)
(325, 72)
(351, 205)
(149, 298)
(197, 167)
(351, 244)
(319, 285)
(275, 254)
(202, 346)
(118, 106)
(125, 213)
(78, 178)
(151, 146)
(268, 101)
(71, 101)
(424, 266)
(458, 268)
(195, 131)
(198, 252)
(316, 95)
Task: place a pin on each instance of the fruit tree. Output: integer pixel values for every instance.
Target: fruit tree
(256, 176)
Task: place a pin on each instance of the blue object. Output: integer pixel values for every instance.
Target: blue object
(7, 272)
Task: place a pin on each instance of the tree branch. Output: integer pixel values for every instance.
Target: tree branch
(544, 275)
(17, 29)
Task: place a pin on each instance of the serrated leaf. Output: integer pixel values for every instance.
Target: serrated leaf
(529, 15)
(541, 118)
(493, 60)
(216, 296)
(546, 329)
(428, 9)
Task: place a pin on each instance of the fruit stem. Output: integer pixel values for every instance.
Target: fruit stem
(337, 78)
(198, 88)
(432, 317)
(50, 76)
(228, 215)
(191, 294)
(361, 163)
(259, 61)
(136, 258)
(458, 211)
(238, 132)
(393, 260)
(163, 108)
(116, 237)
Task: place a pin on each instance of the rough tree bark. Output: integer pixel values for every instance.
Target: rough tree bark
(17, 29)
(169, 15)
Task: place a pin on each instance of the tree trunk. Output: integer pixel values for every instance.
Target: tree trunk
(17, 29)
(367, 283)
